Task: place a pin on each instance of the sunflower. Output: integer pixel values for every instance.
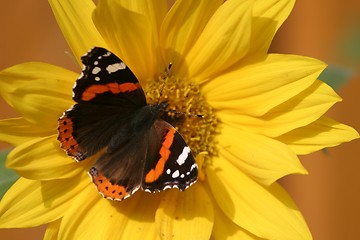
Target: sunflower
(260, 111)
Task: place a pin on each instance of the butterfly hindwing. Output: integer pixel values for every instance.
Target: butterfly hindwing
(118, 173)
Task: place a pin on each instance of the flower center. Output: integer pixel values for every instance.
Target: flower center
(187, 111)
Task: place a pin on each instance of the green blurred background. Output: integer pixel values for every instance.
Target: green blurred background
(329, 196)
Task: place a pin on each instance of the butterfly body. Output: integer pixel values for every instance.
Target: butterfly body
(142, 150)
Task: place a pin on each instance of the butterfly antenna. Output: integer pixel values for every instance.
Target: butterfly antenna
(71, 57)
(167, 73)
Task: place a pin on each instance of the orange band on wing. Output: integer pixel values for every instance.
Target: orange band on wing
(106, 188)
(155, 173)
(114, 88)
(67, 141)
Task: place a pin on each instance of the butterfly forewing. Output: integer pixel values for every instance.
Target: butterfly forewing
(107, 93)
(106, 80)
(174, 165)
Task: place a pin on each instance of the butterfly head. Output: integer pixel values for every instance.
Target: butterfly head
(160, 107)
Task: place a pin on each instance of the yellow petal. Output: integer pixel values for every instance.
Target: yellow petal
(320, 134)
(257, 88)
(268, 16)
(224, 40)
(154, 11)
(30, 203)
(262, 158)
(267, 212)
(191, 210)
(17, 131)
(224, 228)
(92, 217)
(43, 159)
(40, 92)
(299, 111)
(74, 19)
(131, 30)
(52, 230)
(182, 26)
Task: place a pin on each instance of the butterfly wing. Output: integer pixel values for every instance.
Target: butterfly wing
(106, 80)
(107, 94)
(173, 165)
(118, 173)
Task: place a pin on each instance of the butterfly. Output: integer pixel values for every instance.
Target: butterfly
(111, 113)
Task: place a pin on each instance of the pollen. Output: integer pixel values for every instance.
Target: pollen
(187, 111)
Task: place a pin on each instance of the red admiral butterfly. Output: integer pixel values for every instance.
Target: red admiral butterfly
(142, 150)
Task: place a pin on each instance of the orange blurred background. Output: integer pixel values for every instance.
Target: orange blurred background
(329, 196)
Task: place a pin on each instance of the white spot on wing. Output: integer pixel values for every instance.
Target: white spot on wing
(168, 171)
(73, 94)
(81, 75)
(97, 79)
(167, 187)
(96, 70)
(134, 190)
(96, 63)
(194, 166)
(107, 54)
(183, 156)
(175, 174)
(115, 67)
